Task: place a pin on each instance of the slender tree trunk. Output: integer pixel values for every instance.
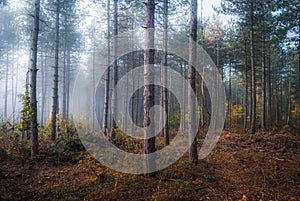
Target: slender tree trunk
(107, 81)
(270, 94)
(229, 95)
(115, 74)
(203, 104)
(55, 88)
(33, 70)
(253, 72)
(93, 80)
(288, 98)
(16, 82)
(246, 91)
(12, 85)
(68, 80)
(263, 83)
(299, 58)
(6, 86)
(164, 74)
(64, 86)
(43, 71)
(182, 123)
(193, 154)
(149, 129)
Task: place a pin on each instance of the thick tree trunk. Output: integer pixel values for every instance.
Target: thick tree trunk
(55, 88)
(149, 143)
(193, 154)
(33, 99)
(115, 74)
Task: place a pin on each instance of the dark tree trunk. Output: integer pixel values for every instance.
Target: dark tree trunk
(164, 63)
(270, 94)
(246, 90)
(107, 81)
(193, 154)
(115, 74)
(253, 72)
(229, 95)
(263, 82)
(33, 99)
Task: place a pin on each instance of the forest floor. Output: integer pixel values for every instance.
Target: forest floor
(264, 166)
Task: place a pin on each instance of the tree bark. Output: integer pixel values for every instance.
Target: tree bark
(107, 81)
(55, 88)
(193, 154)
(164, 62)
(253, 72)
(115, 75)
(246, 91)
(149, 144)
(270, 94)
(33, 99)
(263, 82)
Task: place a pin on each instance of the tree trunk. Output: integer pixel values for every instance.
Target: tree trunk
(270, 94)
(229, 95)
(164, 63)
(33, 99)
(263, 82)
(55, 88)
(6, 86)
(64, 86)
(115, 75)
(246, 90)
(253, 72)
(193, 154)
(149, 144)
(68, 82)
(107, 81)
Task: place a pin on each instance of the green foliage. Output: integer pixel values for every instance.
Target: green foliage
(24, 124)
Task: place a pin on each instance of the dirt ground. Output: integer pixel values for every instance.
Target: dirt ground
(264, 166)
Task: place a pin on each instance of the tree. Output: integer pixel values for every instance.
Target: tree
(55, 80)
(149, 143)
(193, 154)
(115, 74)
(33, 70)
(164, 63)
(107, 82)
